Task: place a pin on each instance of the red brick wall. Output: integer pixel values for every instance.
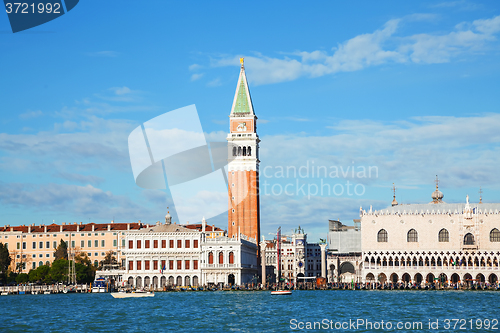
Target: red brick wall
(247, 212)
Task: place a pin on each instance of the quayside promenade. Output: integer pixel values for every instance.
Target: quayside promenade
(87, 288)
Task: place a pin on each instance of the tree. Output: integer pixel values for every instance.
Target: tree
(5, 260)
(62, 251)
(85, 271)
(59, 270)
(40, 274)
(109, 261)
(83, 258)
(22, 278)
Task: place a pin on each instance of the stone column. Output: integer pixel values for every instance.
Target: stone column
(323, 260)
(263, 260)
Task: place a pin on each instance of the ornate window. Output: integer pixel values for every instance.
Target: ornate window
(244, 151)
(249, 151)
(221, 258)
(234, 151)
(444, 235)
(382, 236)
(210, 258)
(412, 236)
(469, 239)
(495, 235)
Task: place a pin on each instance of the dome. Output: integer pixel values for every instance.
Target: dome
(437, 196)
(168, 218)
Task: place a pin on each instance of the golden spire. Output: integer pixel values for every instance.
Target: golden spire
(242, 60)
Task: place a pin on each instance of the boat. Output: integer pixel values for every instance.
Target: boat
(69, 289)
(47, 292)
(281, 292)
(137, 293)
(99, 285)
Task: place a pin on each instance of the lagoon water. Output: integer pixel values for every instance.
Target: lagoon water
(252, 312)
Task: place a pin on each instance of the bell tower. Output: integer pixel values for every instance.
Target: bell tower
(243, 168)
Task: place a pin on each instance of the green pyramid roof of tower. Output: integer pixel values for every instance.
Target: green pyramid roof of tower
(242, 99)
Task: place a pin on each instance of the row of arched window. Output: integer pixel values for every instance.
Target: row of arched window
(242, 151)
(221, 258)
(443, 236)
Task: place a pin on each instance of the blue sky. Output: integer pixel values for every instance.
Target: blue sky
(410, 88)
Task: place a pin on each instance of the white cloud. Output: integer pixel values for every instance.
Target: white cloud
(30, 115)
(383, 46)
(79, 178)
(79, 201)
(195, 77)
(121, 90)
(194, 67)
(464, 150)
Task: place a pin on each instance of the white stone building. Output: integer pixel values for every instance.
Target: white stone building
(299, 259)
(175, 255)
(344, 260)
(432, 242)
(229, 261)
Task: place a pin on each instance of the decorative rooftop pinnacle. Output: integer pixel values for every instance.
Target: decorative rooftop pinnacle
(480, 195)
(242, 103)
(394, 202)
(437, 195)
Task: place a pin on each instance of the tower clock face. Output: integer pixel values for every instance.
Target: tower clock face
(300, 242)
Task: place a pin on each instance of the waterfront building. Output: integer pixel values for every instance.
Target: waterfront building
(299, 259)
(164, 254)
(431, 242)
(344, 260)
(182, 255)
(33, 246)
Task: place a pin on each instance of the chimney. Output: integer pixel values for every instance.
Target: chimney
(61, 227)
(77, 228)
(112, 221)
(11, 229)
(128, 226)
(109, 227)
(45, 229)
(29, 229)
(158, 223)
(93, 225)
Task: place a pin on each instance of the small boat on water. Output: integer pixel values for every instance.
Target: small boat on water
(281, 292)
(100, 285)
(137, 293)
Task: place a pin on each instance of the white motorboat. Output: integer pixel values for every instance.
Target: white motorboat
(281, 292)
(137, 293)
